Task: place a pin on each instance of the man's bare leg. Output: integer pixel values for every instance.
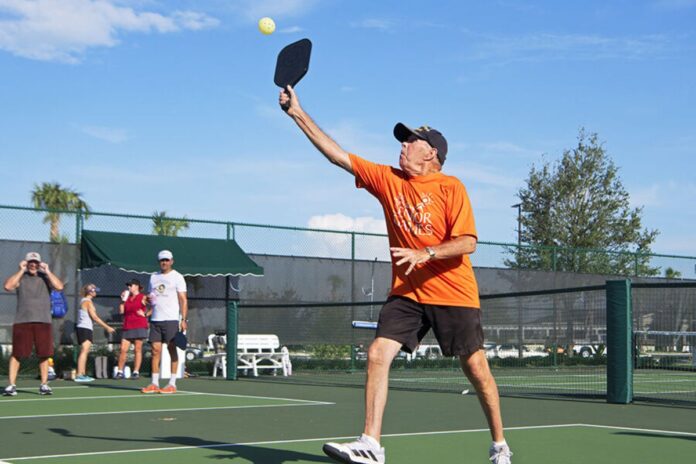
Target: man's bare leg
(379, 358)
(476, 368)
(43, 370)
(14, 370)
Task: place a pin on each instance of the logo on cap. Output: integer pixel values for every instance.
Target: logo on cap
(33, 256)
(433, 136)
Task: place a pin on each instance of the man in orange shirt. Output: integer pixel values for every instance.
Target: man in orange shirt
(431, 235)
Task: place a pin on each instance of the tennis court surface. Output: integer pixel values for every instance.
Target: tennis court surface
(253, 421)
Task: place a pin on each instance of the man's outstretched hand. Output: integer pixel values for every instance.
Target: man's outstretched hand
(288, 101)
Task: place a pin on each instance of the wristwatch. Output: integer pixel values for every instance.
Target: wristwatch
(431, 252)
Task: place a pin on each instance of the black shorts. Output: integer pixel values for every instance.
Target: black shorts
(163, 331)
(457, 328)
(84, 335)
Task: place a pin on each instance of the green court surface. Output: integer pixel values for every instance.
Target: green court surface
(251, 421)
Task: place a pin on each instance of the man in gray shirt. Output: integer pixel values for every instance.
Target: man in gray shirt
(32, 326)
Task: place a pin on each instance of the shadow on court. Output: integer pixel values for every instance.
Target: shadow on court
(657, 435)
(255, 454)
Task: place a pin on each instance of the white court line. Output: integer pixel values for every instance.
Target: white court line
(134, 395)
(143, 411)
(278, 442)
(52, 388)
(663, 392)
(255, 397)
(304, 440)
(179, 393)
(64, 388)
(633, 429)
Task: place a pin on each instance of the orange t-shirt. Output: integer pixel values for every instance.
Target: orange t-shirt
(424, 211)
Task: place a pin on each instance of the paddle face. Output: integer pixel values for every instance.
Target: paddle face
(180, 340)
(293, 63)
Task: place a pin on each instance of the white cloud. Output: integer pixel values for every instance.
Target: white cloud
(290, 30)
(547, 46)
(369, 247)
(256, 9)
(675, 4)
(475, 173)
(108, 134)
(646, 196)
(63, 31)
(194, 21)
(507, 148)
(374, 23)
(380, 146)
(663, 195)
(340, 221)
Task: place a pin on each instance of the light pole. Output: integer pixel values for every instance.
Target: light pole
(519, 230)
(520, 330)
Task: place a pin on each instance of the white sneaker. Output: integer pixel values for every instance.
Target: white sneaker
(500, 455)
(10, 390)
(44, 389)
(364, 450)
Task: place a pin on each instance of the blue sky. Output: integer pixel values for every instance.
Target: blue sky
(146, 105)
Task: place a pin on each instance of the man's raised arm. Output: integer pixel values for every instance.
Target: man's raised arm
(325, 144)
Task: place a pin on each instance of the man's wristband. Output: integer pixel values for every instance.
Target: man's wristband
(430, 252)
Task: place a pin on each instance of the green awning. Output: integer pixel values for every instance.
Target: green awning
(192, 256)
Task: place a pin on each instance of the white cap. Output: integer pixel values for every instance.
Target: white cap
(33, 256)
(164, 254)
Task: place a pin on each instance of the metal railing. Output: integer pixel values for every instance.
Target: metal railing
(32, 224)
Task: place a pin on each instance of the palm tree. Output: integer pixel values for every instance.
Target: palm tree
(162, 225)
(672, 273)
(54, 197)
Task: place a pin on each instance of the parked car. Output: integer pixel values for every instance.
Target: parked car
(512, 351)
(193, 353)
(589, 350)
(491, 350)
(423, 351)
(428, 351)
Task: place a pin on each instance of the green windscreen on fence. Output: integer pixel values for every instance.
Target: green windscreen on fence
(619, 357)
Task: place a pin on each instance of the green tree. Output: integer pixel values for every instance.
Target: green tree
(671, 273)
(53, 196)
(576, 207)
(163, 225)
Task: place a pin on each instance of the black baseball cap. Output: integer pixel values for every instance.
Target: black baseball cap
(133, 282)
(433, 136)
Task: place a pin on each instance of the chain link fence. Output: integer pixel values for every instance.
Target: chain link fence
(302, 266)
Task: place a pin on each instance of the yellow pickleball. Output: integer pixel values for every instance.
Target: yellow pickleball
(266, 25)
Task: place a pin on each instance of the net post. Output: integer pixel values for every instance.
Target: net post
(231, 346)
(619, 347)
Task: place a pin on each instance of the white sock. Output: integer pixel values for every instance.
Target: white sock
(172, 381)
(499, 444)
(155, 379)
(371, 441)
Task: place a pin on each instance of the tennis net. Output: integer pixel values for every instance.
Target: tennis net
(538, 343)
(664, 336)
